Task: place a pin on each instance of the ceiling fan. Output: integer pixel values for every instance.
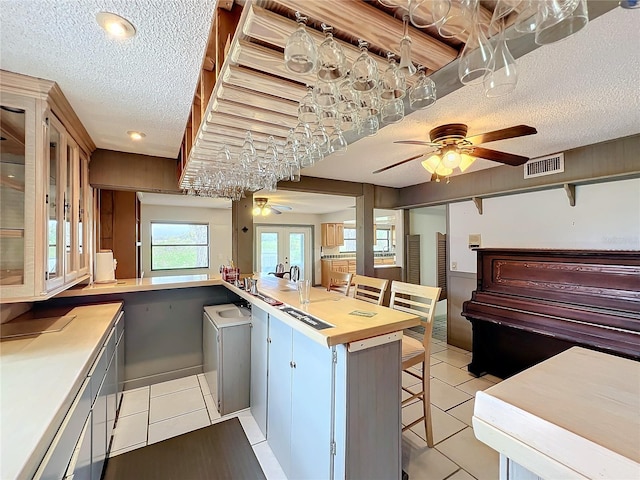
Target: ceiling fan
(453, 149)
(263, 208)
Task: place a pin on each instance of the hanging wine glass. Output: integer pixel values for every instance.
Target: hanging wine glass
(248, 152)
(458, 19)
(338, 142)
(407, 68)
(369, 125)
(300, 53)
(348, 97)
(332, 63)
(392, 111)
(364, 71)
(349, 121)
(527, 19)
(321, 139)
(423, 93)
(329, 118)
(325, 94)
(476, 60)
(560, 19)
(392, 83)
(504, 77)
(427, 13)
(308, 109)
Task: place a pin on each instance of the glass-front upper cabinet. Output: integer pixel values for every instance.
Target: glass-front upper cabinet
(16, 189)
(45, 237)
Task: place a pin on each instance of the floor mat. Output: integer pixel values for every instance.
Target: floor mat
(220, 451)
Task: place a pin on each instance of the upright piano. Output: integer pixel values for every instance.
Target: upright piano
(532, 304)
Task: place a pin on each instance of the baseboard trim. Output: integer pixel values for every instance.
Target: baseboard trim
(134, 383)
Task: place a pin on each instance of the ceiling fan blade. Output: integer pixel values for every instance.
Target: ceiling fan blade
(397, 164)
(417, 142)
(511, 132)
(496, 156)
(274, 210)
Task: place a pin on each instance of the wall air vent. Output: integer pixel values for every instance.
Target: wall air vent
(544, 166)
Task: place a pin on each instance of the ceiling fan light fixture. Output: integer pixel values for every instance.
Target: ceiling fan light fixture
(466, 161)
(451, 159)
(431, 163)
(256, 211)
(443, 171)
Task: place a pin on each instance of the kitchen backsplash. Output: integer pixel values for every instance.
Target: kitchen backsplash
(353, 255)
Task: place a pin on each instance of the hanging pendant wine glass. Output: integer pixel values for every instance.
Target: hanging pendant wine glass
(308, 109)
(427, 13)
(560, 19)
(300, 53)
(348, 96)
(457, 20)
(476, 60)
(406, 65)
(248, 152)
(392, 111)
(527, 19)
(423, 93)
(504, 77)
(338, 142)
(364, 72)
(325, 94)
(321, 139)
(392, 83)
(332, 63)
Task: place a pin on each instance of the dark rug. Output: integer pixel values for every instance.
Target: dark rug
(218, 452)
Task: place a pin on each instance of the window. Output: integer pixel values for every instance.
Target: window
(383, 240)
(177, 246)
(349, 240)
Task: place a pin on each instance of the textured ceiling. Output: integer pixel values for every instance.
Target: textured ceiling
(145, 83)
(577, 92)
(580, 91)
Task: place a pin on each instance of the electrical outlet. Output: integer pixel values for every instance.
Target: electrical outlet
(454, 265)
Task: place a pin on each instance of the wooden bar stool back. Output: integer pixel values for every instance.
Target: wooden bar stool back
(369, 289)
(340, 282)
(419, 300)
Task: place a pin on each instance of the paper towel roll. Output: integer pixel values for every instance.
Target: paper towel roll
(104, 272)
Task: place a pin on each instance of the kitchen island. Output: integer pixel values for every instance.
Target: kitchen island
(575, 415)
(325, 381)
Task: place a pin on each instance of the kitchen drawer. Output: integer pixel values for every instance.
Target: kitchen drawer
(56, 460)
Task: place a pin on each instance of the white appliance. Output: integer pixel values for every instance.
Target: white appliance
(105, 270)
(226, 348)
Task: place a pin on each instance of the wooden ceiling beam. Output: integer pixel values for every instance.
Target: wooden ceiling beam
(251, 112)
(237, 133)
(256, 99)
(360, 20)
(260, 82)
(221, 119)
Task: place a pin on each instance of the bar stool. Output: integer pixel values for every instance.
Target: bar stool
(339, 282)
(418, 300)
(369, 289)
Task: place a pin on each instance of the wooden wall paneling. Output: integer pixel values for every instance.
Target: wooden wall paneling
(242, 234)
(256, 99)
(106, 220)
(188, 139)
(378, 28)
(195, 119)
(249, 79)
(324, 185)
(125, 234)
(441, 264)
(207, 82)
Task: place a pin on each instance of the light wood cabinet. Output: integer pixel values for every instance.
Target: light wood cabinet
(44, 192)
(332, 234)
(339, 265)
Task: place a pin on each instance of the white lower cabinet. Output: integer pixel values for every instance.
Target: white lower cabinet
(80, 447)
(300, 378)
(259, 362)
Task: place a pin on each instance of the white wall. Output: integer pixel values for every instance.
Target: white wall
(426, 222)
(606, 217)
(219, 221)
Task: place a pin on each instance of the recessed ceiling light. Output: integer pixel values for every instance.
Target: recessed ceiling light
(11, 176)
(135, 135)
(115, 25)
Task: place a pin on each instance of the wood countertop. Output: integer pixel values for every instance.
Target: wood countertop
(330, 307)
(41, 375)
(575, 415)
(142, 284)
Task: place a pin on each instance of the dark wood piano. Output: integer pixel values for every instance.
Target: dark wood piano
(532, 304)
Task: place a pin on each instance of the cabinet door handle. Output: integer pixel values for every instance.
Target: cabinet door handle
(292, 364)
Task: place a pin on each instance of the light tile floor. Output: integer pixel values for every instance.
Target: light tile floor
(152, 414)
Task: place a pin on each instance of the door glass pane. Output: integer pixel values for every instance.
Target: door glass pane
(268, 252)
(67, 209)
(12, 153)
(53, 267)
(81, 213)
(296, 251)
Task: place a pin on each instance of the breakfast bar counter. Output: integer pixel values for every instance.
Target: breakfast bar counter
(575, 415)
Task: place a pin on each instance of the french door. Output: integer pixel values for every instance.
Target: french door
(289, 245)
